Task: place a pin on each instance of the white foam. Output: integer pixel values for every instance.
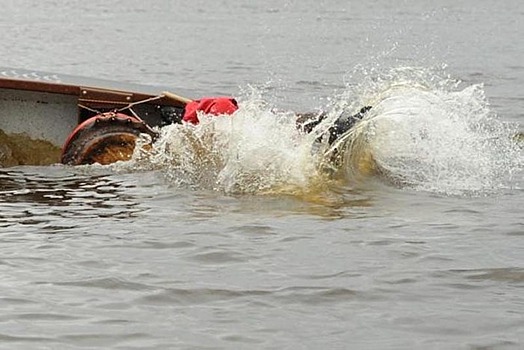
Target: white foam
(255, 150)
(436, 137)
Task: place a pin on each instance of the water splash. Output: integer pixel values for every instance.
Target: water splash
(424, 131)
(427, 133)
(256, 150)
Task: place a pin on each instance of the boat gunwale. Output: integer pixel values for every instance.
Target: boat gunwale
(86, 93)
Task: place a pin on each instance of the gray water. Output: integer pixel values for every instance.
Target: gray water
(146, 256)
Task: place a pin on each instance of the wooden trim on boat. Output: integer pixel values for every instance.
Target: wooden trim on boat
(89, 91)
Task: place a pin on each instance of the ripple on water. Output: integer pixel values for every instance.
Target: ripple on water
(52, 201)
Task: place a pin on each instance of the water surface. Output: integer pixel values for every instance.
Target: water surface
(153, 257)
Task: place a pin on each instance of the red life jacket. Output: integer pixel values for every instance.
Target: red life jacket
(210, 105)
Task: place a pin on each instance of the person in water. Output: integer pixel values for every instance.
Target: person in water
(307, 121)
(111, 136)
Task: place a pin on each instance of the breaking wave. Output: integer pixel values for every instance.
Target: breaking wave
(424, 131)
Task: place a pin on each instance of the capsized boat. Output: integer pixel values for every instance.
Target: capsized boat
(48, 118)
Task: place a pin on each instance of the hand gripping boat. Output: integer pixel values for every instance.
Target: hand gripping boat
(50, 118)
